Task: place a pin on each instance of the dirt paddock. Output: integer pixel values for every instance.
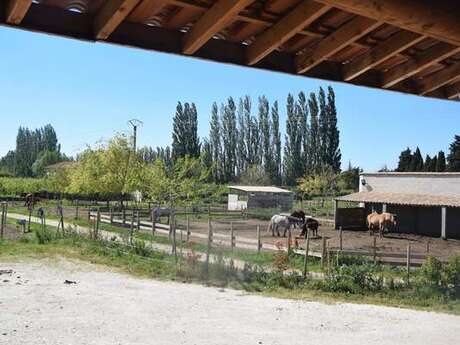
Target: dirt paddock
(105, 307)
(353, 240)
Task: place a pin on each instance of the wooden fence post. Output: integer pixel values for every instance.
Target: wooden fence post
(173, 233)
(30, 219)
(232, 236)
(154, 220)
(374, 249)
(124, 216)
(323, 251)
(111, 215)
(408, 264)
(428, 247)
(328, 254)
(2, 225)
(259, 243)
(188, 228)
(77, 210)
(340, 239)
(289, 241)
(131, 229)
(208, 249)
(98, 220)
(138, 220)
(307, 244)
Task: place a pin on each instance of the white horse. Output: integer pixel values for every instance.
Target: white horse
(277, 222)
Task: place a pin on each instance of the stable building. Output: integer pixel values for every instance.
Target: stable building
(425, 203)
(251, 197)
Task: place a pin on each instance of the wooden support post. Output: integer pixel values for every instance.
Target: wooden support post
(408, 263)
(374, 249)
(259, 243)
(188, 228)
(323, 251)
(340, 239)
(232, 237)
(336, 215)
(443, 223)
(384, 208)
(138, 221)
(307, 244)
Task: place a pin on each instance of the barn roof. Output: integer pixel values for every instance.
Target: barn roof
(410, 46)
(402, 199)
(260, 189)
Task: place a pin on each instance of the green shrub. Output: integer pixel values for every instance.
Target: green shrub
(140, 248)
(431, 271)
(45, 235)
(354, 279)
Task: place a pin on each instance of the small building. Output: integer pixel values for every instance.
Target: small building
(250, 197)
(425, 203)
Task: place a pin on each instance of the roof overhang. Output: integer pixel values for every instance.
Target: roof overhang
(409, 46)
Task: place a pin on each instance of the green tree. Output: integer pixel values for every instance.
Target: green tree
(323, 184)
(185, 139)
(441, 162)
(45, 159)
(332, 147)
(266, 136)
(276, 175)
(255, 175)
(453, 158)
(229, 137)
(293, 144)
(416, 163)
(216, 145)
(405, 159)
(314, 139)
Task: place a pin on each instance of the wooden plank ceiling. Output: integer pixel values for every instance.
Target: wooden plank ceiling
(410, 46)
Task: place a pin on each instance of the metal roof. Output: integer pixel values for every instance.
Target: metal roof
(260, 189)
(409, 46)
(402, 199)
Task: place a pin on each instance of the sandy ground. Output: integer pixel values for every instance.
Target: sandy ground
(103, 307)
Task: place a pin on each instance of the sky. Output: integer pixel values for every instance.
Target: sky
(89, 91)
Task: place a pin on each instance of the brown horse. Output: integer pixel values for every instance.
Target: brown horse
(31, 200)
(380, 222)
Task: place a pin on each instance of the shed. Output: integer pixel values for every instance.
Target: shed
(425, 203)
(250, 197)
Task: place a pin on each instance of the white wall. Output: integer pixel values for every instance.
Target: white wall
(433, 184)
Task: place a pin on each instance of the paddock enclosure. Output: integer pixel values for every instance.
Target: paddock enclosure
(409, 46)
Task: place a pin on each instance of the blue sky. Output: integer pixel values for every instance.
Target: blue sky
(89, 91)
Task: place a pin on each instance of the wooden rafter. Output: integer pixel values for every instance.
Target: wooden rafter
(111, 15)
(147, 9)
(16, 10)
(438, 19)
(453, 91)
(383, 51)
(436, 80)
(214, 20)
(183, 17)
(414, 65)
(345, 35)
(300, 17)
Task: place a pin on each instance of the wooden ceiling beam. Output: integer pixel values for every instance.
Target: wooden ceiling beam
(437, 19)
(146, 9)
(16, 10)
(383, 51)
(453, 91)
(439, 79)
(213, 21)
(417, 64)
(111, 15)
(301, 16)
(339, 39)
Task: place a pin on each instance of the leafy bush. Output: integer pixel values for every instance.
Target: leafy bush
(354, 279)
(431, 271)
(140, 248)
(45, 235)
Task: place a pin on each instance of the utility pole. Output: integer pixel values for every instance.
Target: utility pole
(135, 123)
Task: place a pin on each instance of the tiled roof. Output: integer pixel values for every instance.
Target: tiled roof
(402, 199)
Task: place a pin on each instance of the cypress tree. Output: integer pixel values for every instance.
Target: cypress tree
(229, 138)
(453, 158)
(417, 161)
(185, 131)
(241, 155)
(405, 159)
(428, 163)
(302, 114)
(292, 146)
(441, 162)
(265, 136)
(323, 128)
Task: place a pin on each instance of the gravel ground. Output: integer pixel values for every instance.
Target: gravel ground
(104, 307)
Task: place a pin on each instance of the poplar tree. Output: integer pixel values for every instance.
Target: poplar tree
(265, 135)
(185, 140)
(215, 143)
(276, 144)
(333, 153)
(293, 144)
(229, 138)
(314, 136)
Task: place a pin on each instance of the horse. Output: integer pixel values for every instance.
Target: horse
(381, 222)
(159, 212)
(278, 221)
(310, 224)
(300, 215)
(30, 201)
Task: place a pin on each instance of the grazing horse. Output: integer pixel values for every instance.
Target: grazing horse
(159, 212)
(310, 224)
(380, 222)
(30, 201)
(298, 218)
(278, 221)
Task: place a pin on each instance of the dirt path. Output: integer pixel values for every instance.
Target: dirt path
(111, 308)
